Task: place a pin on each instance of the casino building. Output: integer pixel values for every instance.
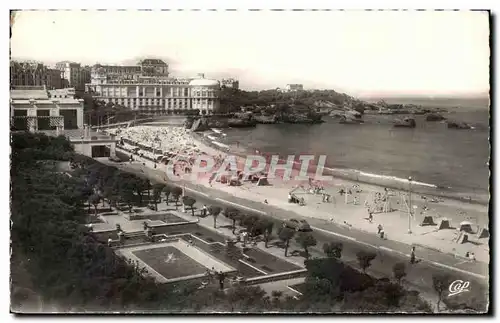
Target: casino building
(148, 89)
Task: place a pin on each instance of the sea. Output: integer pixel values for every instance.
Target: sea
(447, 162)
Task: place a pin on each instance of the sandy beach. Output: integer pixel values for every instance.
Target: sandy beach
(350, 211)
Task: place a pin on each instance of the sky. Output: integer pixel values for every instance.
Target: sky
(362, 53)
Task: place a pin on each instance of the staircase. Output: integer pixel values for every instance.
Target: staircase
(134, 235)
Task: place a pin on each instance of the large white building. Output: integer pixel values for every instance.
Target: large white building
(294, 87)
(148, 89)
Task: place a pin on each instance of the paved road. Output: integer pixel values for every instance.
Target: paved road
(419, 276)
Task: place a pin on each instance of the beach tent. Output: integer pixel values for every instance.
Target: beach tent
(483, 233)
(263, 181)
(428, 220)
(224, 179)
(463, 238)
(444, 223)
(247, 177)
(234, 181)
(465, 226)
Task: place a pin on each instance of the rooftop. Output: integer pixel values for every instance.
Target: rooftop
(204, 82)
(28, 94)
(149, 61)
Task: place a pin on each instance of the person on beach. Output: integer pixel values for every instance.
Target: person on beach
(412, 255)
(380, 228)
(221, 280)
(204, 210)
(472, 256)
(370, 216)
(265, 201)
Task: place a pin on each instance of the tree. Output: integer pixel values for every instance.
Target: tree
(140, 186)
(268, 231)
(189, 201)
(333, 249)
(176, 194)
(232, 214)
(250, 222)
(157, 189)
(128, 197)
(365, 258)
(167, 190)
(214, 211)
(441, 283)
(86, 192)
(399, 271)
(285, 235)
(306, 240)
(94, 200)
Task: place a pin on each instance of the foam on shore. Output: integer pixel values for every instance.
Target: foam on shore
(383, 177)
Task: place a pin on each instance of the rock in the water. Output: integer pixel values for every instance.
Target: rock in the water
(239, 123)
(266, 119)
(406, 123)
(458, 125)
(434, 117)
(350, 120)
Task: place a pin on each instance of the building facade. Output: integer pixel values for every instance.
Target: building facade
(32, 108)
(74, 75)
(148, 89)
(230, 83)
(294, 87)
(34, 74)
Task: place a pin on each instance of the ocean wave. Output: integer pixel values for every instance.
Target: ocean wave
(219, 144)
(380, 176)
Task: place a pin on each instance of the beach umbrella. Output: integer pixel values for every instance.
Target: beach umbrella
(465, 223)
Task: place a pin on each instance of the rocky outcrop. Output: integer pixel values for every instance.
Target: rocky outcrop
(199, 125)
(302, 119)
(434, 117)
(239, 123)
(218, 122)
(350, 120)
(405, 123)
(188, 124)
(458, 125)
(266, 119)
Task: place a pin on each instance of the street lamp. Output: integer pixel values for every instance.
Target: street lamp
(409, 205)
